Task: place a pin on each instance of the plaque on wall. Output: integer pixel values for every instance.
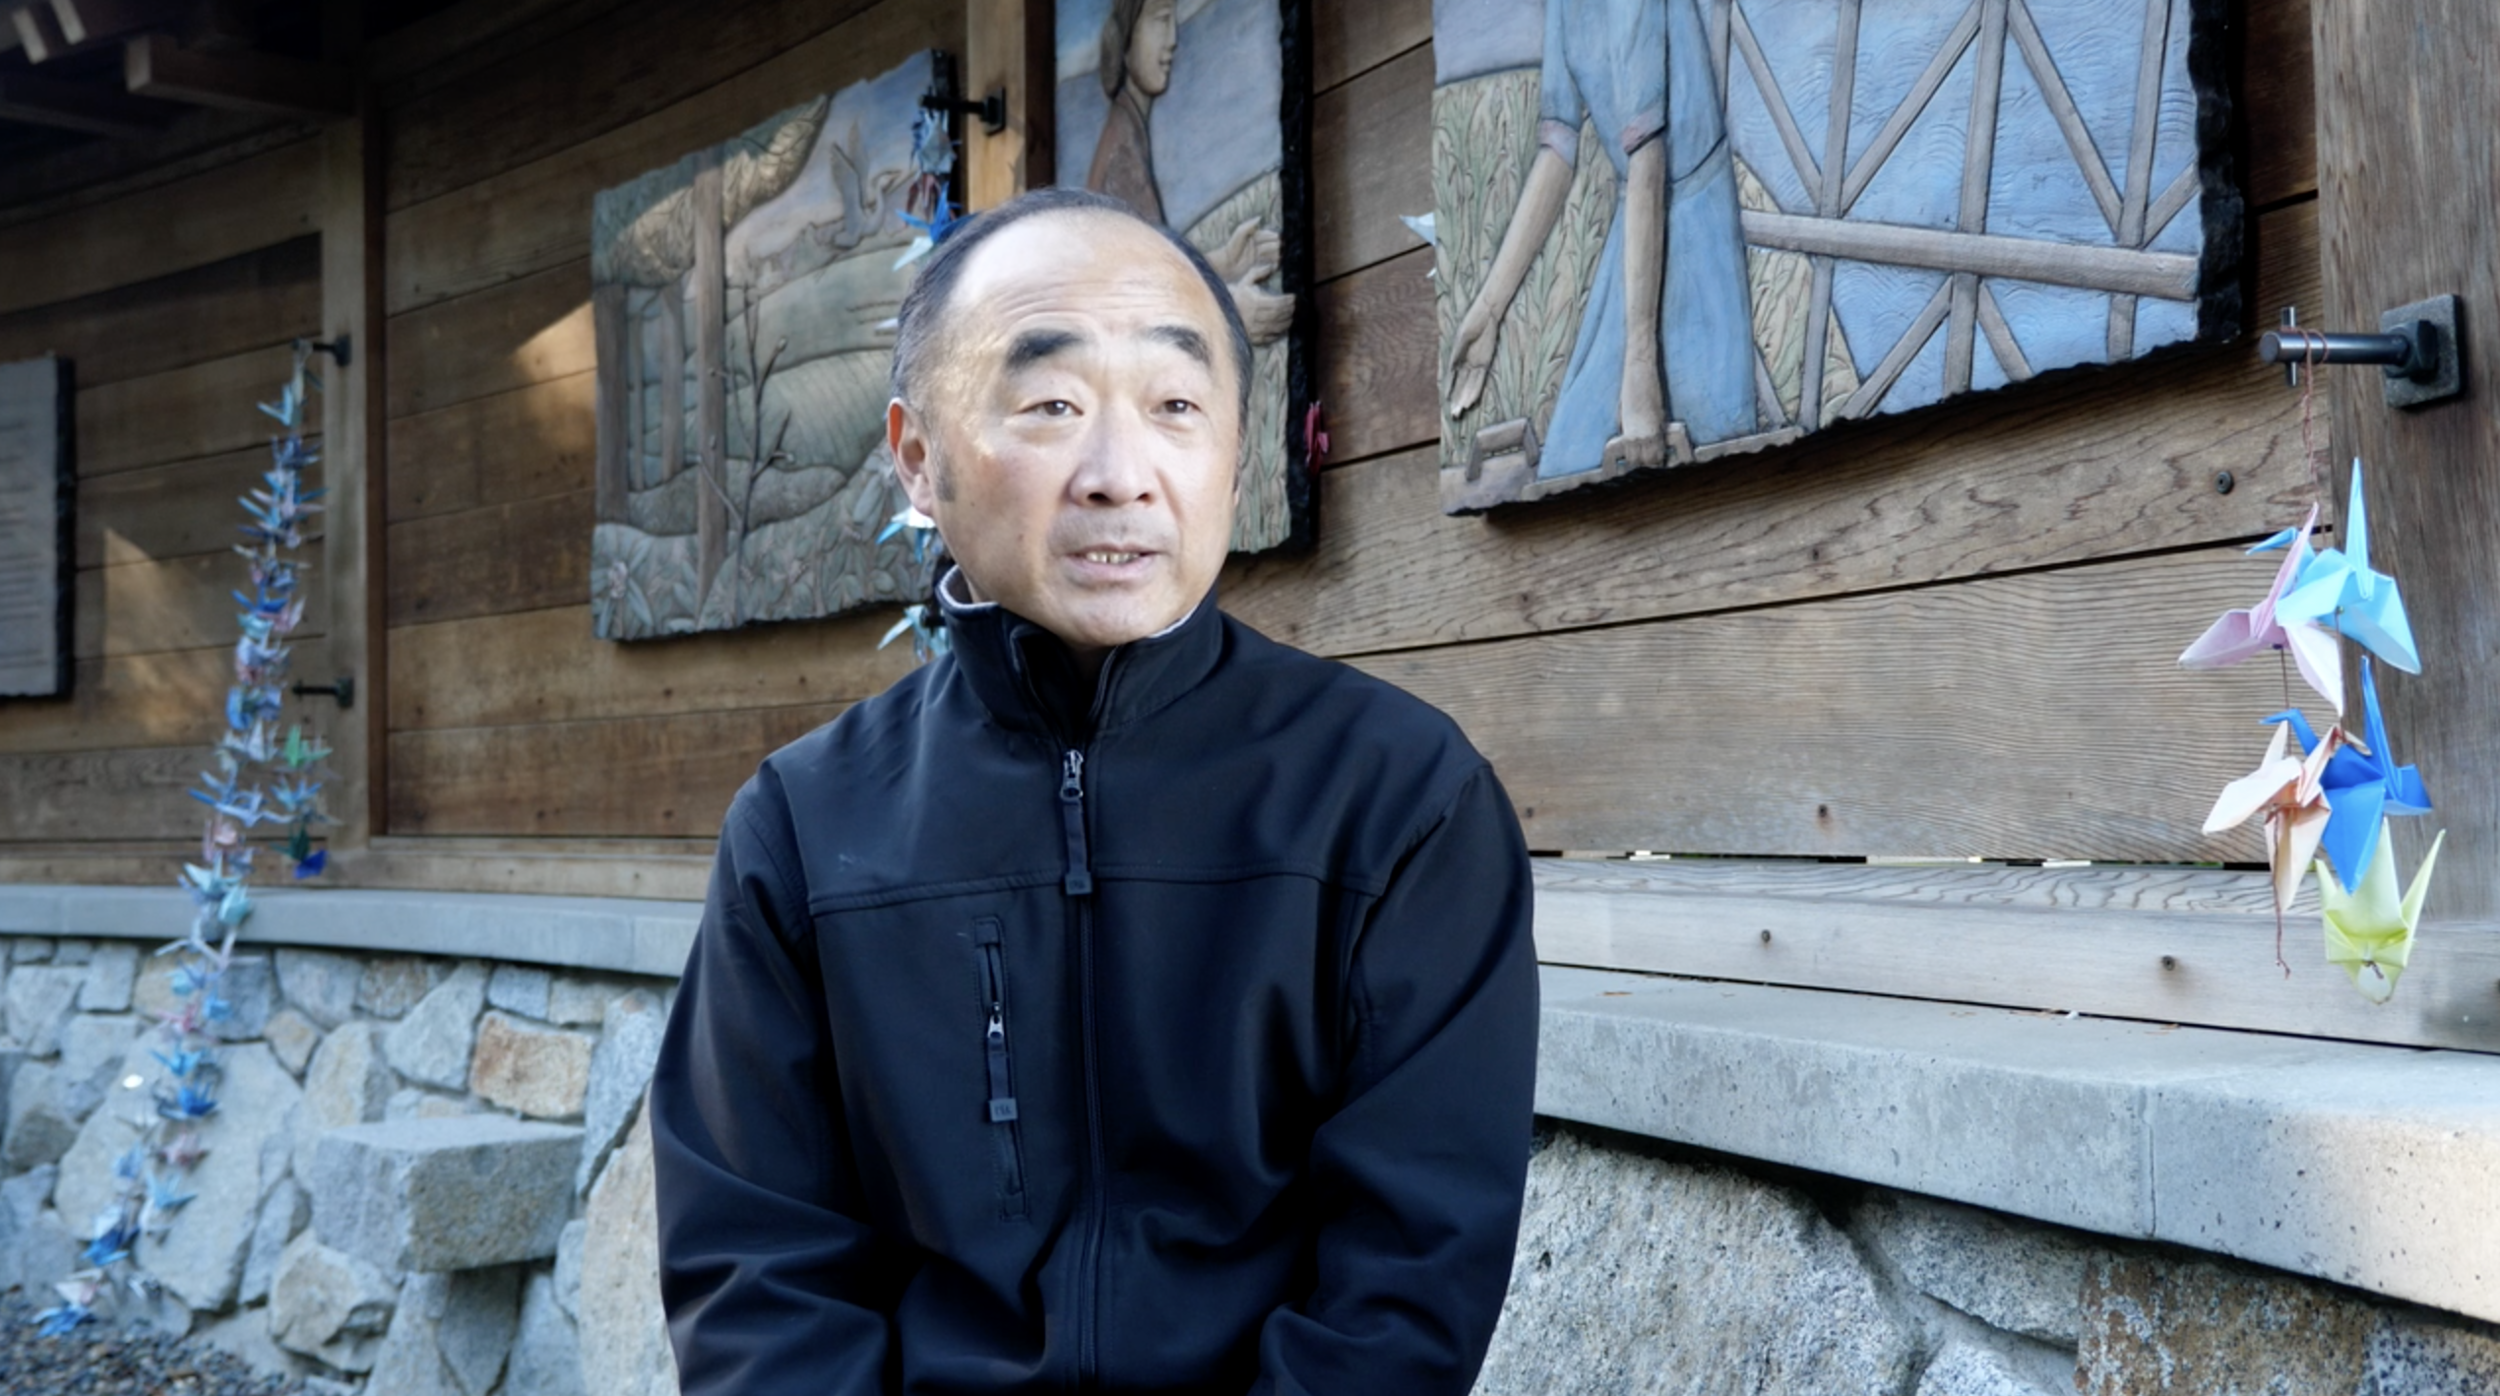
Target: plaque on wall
(1677, 230)
(1195, 113)
(35, 543)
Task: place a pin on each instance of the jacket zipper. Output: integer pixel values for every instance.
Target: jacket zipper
(1079, 885)
(1002, 1097)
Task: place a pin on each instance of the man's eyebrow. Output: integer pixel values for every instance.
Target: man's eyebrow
(1185, 339)
(1033, 346)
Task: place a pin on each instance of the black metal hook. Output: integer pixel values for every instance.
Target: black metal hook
(341, 350)
(991, 109)
(344, 690)
(2416, 350)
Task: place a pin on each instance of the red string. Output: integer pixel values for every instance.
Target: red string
(2312, 353)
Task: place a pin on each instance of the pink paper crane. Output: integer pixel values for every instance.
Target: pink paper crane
(2288, 792)
(2240, 634)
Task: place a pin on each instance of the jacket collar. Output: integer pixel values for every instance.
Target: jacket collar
(1027, 680)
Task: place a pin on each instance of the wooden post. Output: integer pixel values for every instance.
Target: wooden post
(711, 363)
(2406, 188)
(1008, 44)
(352, 464)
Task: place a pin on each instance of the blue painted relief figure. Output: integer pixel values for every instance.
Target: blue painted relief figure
(1664, 360)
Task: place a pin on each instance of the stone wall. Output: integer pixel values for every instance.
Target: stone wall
(425, 1176)
(430, 1176)
(1645, 1269)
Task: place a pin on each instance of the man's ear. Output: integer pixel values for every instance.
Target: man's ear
(908, 438)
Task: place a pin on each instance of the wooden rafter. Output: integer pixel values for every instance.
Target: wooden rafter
(155, 66)
(38, 33)
(86, 22)
(65, 106)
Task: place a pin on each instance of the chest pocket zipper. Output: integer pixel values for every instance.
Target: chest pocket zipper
(1001, 1111)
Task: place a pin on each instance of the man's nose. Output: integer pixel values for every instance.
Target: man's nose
(1118, 463)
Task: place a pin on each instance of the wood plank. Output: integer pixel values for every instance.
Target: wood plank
(171, 698)
(1353, 36)
(1379, 358)
(523, 332)
(1753, 923)
(178, 604)
(1009, 49)
(2278, 90)
(2405, 201)
(88, 173)
(647, 776)
(666, 869)
(260, 298)
(181, 414)
(2041, 715)
(2068, 468)
(463, 37)
(638, 59)
(354, 467)
(155, 66)
(498, 449)
(100, 795)
(545, 666)
(125, 864)
(526, 555)
(497, 226)
(208, 217)
(169, 511)
(1371, 160)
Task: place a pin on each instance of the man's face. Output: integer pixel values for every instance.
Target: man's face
(1150, 47)
(1077, 444)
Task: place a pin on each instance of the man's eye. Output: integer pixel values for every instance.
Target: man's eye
(1179, 405)
(1055, 407)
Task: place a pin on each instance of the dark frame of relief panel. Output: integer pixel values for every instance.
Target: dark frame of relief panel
(38, 544)
(2089, 213)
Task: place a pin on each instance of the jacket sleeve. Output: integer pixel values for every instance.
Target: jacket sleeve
(1418, 1175)
(771, 1282)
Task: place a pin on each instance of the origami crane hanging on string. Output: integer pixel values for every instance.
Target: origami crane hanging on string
(2363, 783)
(2287, 791)
(2339, 589)
(2241, 634)
(2368, 930)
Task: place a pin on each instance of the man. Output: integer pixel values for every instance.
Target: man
(1122, 1002)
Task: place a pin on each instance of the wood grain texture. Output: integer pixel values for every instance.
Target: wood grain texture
(665, 869)
(178, 604)
(181, 414)
(527, 555)
(1379, 358)
(101, 795)
(631, 777)
(638, 58)
(171, 698)
(1371, 160)
(169, 511)
(523, 444)
(1776, 925)
(2076, 466)
(2405, 200)
(465, 36)
(545, 666)
(522, 332)
(496, 226)
(130, 863)
(98, 172)
(260, 298)
(2042, 715)
(2278, 91)
(1353, 36)
(208, 217)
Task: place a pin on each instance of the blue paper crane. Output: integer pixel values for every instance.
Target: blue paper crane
(2361, 786)
(2338, 589)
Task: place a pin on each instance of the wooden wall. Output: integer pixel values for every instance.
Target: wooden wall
(1946, 634)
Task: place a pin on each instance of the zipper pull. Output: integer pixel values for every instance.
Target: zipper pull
(998, 1025)
(1080, 879)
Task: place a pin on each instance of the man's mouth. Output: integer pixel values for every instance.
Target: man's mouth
(1109, 557)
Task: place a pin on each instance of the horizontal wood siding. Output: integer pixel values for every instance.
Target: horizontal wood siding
(176, 301)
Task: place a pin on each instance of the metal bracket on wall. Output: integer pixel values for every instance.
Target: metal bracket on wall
(344, 690)
(2417, 350)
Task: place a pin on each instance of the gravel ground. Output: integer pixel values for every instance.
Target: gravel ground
(97, 1360)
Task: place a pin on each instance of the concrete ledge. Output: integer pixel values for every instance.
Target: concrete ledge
(2366, 1165)
(609, 933)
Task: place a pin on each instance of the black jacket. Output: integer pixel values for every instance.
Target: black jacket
(1182, 1040)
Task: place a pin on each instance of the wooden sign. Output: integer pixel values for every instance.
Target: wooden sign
(742, 302)
(1792, 213)
(36, 491)
(1195, 113)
